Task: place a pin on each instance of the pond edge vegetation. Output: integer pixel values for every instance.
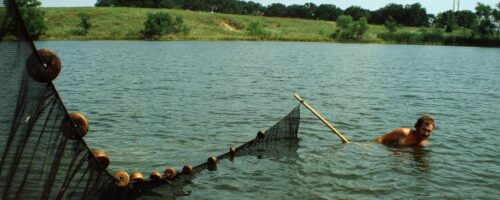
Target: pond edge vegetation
(481, 28)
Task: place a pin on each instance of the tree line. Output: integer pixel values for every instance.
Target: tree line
(406, 15)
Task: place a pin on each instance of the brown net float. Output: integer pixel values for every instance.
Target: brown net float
(47, 70)
(212, 163)
(101, 158)
(187, 169)
(232, 151)
(170, 174)
(155, 176)
(81, 123)
(122, 179)
(137, 177)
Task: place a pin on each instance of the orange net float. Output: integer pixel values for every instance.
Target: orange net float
(232, 151)
(47, 70)
(212, 163)
(81, 123)
(187, 169)
(137, 177)
(155, 176)
(122, 179)
(170, 174)
(101, 158)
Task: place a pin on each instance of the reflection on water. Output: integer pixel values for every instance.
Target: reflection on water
(420, 156)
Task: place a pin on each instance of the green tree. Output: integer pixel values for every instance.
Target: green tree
(485, 25)
(84, 23)
(158, 24)
(310, 9)
(415, 15)
(252, 8)
(496, 16)
(33, 17)
(357, 12)
(344, 21)
(391, 25)
(297, 11)
(328, 12)
(465, 18)
(396, 11)
(348, 29)
(450, 23)
(361, 27)
(105, 3)
(276, 10)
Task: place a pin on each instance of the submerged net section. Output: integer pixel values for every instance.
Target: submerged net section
(43, 155)
(281, 137)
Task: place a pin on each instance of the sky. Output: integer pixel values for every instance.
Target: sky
(432, 6)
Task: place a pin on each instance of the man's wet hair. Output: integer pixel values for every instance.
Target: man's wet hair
(425, 118)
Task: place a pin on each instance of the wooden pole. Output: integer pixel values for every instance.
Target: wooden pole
(344, 140)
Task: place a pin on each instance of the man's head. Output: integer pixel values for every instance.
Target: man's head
(424, 126)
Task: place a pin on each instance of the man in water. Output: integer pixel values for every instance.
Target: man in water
(409, 137)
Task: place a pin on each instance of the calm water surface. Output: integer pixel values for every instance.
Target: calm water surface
(157, 104)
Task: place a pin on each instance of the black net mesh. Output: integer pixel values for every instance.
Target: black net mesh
(37, 161)
(42, 153)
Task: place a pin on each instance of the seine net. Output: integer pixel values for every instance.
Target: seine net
(43, 155)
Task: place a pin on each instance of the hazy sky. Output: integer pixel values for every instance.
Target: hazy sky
(432, 6)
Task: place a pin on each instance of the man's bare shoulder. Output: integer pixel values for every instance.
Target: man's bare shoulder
(402, 131)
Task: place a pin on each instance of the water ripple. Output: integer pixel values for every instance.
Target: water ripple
(194, 99)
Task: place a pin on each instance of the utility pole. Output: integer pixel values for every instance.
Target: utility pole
(458, 11)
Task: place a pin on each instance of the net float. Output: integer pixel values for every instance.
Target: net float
(122, 179)
(155, 176)
(137, 177)
(212, 163)
(101, 158)
(81, 126)
(170, 174)
(46, 68)
(232, 151)
(187, 169)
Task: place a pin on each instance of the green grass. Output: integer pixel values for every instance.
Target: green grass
(127, 23)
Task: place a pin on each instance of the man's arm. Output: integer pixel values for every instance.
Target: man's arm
(391, 137)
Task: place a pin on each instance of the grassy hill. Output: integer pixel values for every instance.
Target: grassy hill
(127, 23)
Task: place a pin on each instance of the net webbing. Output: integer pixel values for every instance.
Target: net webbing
(38, 159)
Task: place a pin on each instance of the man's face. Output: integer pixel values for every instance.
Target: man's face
(425, 130)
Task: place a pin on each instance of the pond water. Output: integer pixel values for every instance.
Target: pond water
(153, 105)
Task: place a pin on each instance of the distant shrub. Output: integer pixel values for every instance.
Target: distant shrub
(347, 29)
(33, 17)
(421, 36)
(255, 28)
(158, 24)
(435, 36)
(361, 27)
(84, 23)
(391, 25)
(398, 37)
